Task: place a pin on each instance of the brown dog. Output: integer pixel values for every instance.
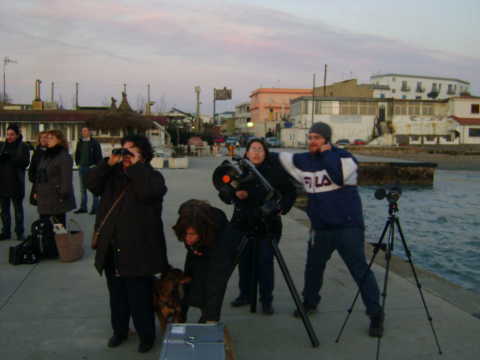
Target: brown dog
(167, 296)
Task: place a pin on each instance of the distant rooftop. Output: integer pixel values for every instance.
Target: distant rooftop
(420, 77)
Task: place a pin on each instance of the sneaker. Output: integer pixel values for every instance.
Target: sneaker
(240, 301)
(308, 309)
(267, 309)
(80, 211)
(376, 325)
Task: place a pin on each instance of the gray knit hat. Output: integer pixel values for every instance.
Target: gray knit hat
(322, 129)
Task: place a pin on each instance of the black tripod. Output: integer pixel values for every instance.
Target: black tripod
(390, 226)
(251, 238)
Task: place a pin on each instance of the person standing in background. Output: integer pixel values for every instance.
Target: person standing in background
(42, 143)
(87, 154)
(14, 159)
(53, 183)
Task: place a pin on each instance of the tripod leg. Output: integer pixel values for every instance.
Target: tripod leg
(254, 276)
(294, 293)
(376, 248)
(419, 286)
(388, 257)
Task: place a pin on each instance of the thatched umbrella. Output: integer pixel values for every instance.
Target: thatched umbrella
(123, 118)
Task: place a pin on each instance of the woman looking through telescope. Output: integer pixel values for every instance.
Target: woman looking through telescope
(249, 220)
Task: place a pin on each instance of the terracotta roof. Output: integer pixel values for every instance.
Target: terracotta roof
(466, 121)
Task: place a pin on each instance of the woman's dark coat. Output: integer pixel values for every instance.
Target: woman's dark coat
(134, 230)
(247, 215)
(14, 158)
(210, 271)
(54, 184)
(32, 171)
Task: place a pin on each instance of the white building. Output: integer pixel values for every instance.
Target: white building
(465, 111)
(403, 86)
(243, 118)
(388, 121)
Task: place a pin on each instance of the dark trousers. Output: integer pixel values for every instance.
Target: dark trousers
(349, 242)
(7, 219)
(82, 171)
(264, 264)
(132, 296)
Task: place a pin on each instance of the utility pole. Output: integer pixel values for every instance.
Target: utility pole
(147, 109)
(76, 96)
(125, 88)
(6, 60)
(313, 99)
(197, 117)
(325, 81)
(52, 94)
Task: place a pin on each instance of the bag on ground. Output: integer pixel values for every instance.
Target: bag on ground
(44, 237)
(69, 241)
(24, 253)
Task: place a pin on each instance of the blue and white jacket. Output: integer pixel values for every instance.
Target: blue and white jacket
(330, 180)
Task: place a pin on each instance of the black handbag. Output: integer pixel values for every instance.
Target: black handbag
(24, 253)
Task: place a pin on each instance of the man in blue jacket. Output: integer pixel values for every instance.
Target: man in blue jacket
(329, 176)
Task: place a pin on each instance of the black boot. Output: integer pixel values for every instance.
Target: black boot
(116, 340)
(308, 309)
(376, 325)
(144, 347)
(267, 308)
(4, 236)
(240, 301)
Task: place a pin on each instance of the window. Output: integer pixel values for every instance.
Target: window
(382, 96)
(405, 86)
(427, 109)
(474, 132)
(393, 79)
(475, 108)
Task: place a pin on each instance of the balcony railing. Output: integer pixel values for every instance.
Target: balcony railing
(405, 88)
(450, 92)
(420, 89)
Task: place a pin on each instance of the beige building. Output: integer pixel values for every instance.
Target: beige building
(270, 106)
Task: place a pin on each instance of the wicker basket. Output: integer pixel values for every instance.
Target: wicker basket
(70, 245)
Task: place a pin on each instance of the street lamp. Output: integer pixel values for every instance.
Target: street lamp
(6, 60)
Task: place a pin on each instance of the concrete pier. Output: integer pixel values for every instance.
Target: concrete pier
(60, 311)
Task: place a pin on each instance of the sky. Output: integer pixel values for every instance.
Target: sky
(241, 44)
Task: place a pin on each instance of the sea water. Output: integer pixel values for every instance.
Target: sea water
(441, 225)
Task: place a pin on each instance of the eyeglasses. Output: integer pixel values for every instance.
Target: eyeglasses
(256, 150)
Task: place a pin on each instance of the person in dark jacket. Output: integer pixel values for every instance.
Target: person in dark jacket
(87, 154)
(247, 218)
(42, 143)
(131, 245)
(54, 184)
(205, 231)
(14, 159)
(329, 176)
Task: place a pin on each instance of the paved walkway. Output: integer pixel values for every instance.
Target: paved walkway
(59, 311)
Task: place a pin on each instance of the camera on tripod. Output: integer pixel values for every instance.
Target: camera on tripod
(392, 195)
(231, 175)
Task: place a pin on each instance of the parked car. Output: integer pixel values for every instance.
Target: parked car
(273, 141)
(219, 139)
(342, 142)
(359, 142)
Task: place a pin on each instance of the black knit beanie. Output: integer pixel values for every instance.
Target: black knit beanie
(322, 129)
(14, 127)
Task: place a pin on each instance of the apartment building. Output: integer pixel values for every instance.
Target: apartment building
(418, 87)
